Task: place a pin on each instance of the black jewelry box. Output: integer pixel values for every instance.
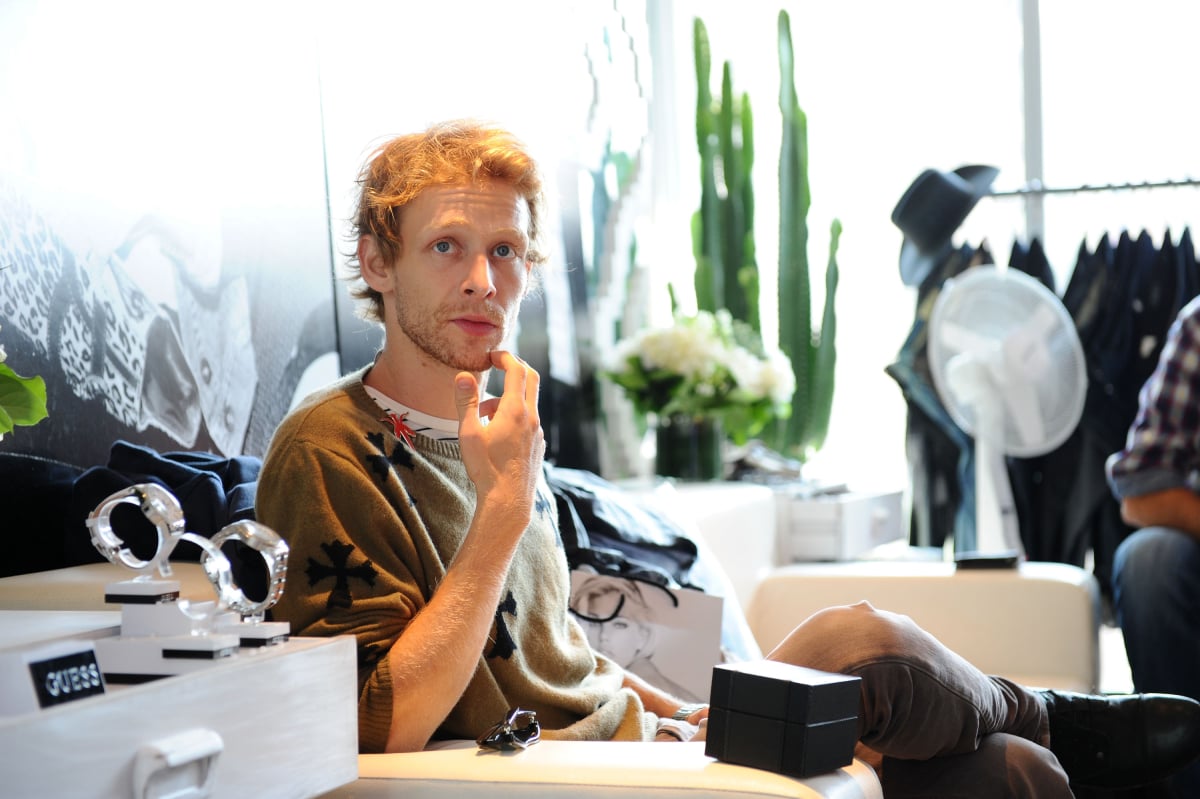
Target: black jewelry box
(787, 719)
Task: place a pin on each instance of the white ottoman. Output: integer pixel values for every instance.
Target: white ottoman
(1038, 624)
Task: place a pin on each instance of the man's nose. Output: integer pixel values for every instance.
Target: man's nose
(478, 280)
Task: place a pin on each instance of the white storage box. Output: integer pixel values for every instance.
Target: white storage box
(277, 721)
(834, 526)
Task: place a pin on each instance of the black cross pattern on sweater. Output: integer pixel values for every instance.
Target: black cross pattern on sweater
(382, 463)
(369, 655)
(339, 569)
(504, 645)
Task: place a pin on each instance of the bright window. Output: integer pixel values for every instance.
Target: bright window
(891, 89)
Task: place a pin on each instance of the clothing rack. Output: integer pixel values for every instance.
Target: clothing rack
(1034, 191)
(1036, 187)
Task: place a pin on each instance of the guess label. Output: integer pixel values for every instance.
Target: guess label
(66, 678)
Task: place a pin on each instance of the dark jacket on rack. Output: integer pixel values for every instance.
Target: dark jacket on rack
(1122, 300)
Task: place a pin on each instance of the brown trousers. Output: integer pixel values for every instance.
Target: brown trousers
(932, 724)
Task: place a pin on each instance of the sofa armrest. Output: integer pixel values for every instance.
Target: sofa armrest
(82, 587)
(591, 770)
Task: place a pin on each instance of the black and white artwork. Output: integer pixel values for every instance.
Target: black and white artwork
(670, 637)
(165, 262)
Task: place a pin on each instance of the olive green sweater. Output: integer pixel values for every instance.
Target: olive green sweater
(372, 524)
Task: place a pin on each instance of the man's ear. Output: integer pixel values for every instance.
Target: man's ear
(372, 264)
(531, 279)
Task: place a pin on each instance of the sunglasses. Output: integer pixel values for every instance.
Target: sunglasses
(519, 729)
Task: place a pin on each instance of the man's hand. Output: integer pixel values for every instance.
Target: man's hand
(504, 457)
(433, 661)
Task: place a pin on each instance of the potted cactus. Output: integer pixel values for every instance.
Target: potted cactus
(726, 274)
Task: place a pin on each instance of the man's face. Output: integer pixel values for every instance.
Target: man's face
(623, 640)
(461, 274)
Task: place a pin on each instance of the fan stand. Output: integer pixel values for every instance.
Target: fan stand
(997, 535)
(1008, 364)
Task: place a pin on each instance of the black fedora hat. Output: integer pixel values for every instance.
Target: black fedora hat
(931, 210)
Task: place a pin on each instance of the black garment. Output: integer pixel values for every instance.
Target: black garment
(1055, 505)
(47, 503)
(35, 496)
(1031, 259)
(213, 491)
(939, 453)
(601, 528)
(605, 530)
(1123, 300)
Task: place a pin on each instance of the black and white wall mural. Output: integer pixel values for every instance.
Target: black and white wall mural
(164, 229)
(175, 183)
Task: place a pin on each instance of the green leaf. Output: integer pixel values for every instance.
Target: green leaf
(22, 400)
(825, 356)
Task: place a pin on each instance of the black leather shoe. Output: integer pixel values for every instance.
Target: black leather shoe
(1122, 741)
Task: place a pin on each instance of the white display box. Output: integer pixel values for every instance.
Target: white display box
(279, 721)
(834, 526)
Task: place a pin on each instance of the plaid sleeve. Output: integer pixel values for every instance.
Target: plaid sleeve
(1162, 449)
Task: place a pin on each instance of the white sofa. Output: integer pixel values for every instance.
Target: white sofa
(1038, 624)
(591, 770)
(567, 769)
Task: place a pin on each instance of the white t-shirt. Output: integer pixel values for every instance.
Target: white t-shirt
(433, 427)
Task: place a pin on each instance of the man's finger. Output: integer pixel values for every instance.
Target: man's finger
(466, 398)
(488, 408)
(515, 373)
(511, 364)
(533, 382)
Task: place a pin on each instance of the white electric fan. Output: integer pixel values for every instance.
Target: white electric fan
(1008, 364)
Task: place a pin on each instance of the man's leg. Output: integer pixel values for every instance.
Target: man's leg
(1156, 597)
(920, 700)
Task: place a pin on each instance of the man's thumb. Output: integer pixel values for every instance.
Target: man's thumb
(466, 395)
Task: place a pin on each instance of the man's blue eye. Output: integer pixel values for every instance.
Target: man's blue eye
(442, 246)
(504, 251)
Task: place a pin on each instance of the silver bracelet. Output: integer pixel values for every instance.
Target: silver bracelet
(687, 710)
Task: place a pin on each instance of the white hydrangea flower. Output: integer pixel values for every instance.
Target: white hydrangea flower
(746, 369)
(719, 378)
(693, 351)
(776, 378)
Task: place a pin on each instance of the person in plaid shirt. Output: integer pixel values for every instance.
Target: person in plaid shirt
(1156, 570)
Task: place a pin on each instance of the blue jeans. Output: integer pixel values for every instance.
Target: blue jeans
(1156, 596)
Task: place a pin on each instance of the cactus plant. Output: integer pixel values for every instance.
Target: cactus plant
(812, 351)
(726, 274)
(723, 238)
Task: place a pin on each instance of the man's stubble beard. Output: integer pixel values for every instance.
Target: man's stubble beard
(427, 335)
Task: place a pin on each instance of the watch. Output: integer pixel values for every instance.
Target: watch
(687, 710)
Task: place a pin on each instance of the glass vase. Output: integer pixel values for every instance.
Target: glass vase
(689, 448)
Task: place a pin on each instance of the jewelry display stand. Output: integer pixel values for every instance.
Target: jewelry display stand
(162, 634)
